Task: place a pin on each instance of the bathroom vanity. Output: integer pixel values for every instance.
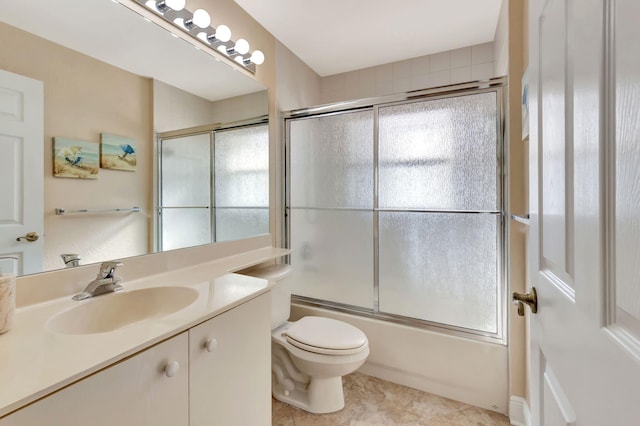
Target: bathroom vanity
(206, 363)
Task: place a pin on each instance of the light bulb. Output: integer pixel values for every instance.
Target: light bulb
(176, 5)
(201, 18)
(241, 46)
(257, 57)
(239, 59)
(222, 48)
(223, 33)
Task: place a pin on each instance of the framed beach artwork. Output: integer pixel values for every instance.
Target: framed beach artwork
(75, 159)
(117, 153)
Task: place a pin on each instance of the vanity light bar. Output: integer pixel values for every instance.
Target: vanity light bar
(197, 25)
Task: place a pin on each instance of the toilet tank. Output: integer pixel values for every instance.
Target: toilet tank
(280, 292)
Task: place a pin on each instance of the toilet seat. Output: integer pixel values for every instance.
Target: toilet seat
(326, 336)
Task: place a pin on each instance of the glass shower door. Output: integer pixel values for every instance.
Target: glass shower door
(185, 191)
(439, 211)
(241, 182)
(331, 207)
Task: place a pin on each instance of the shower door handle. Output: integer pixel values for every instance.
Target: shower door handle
(531, 299)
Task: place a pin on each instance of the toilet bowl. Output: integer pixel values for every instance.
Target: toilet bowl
(309, 356)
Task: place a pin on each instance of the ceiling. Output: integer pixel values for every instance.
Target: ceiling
(335, 36)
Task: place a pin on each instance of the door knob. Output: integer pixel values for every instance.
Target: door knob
(30, 237)
(531, 299)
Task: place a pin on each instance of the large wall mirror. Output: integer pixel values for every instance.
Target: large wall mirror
(110, 75)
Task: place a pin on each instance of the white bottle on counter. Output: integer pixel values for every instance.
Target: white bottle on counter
(7, 301)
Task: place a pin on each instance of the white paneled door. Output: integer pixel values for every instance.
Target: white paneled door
(21, 173)
(584, 249)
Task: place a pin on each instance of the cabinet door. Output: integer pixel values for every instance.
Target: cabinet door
(229, 367)
(136, 391)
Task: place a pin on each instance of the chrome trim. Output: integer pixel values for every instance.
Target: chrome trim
(62, 212)
(212, 185)
(243, 208)
(376, 210)
(413, 210)
(348, 209)
(412, 95)
(397, 210)
(189, 131)
(398, 319)
(495, 85)
(524, 219)
(182, 207)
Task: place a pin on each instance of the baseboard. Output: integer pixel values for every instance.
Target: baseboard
(483, 399)
(519, 414)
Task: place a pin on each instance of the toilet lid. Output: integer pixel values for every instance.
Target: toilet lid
(326, 336)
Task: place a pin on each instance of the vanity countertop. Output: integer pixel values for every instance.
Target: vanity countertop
(35, 361)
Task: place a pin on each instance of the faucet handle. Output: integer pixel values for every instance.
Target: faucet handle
(107, 269)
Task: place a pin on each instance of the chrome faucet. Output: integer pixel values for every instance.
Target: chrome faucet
(71, 260)
(105, 282)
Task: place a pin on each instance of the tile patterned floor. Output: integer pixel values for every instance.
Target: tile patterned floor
(374, 402)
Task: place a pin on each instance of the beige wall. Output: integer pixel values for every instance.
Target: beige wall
(84, 97)
(175, 109)
(517, 195)
(440, 69)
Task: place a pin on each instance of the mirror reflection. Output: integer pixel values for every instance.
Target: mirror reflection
(130, 79)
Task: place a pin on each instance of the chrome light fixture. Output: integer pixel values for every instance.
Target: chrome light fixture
(197, 24)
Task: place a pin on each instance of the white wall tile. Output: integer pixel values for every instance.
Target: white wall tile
(401, 70)
(352, 85)
(402, 85)
(422, 81)
(460, 58)
(460, 75)
(367, 82)
(455, 66)
(439, 78)
(482, 71)
(440, 62)
(420, 66)
(482, 53)
(384, 79)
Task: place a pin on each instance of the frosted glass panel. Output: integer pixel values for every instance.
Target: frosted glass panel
(332, 161)
(186, 171)
(185, 228)
(627, 249)
(242, 167)
(332, 255)
(232, 224)
(439, 154)
(440, 268)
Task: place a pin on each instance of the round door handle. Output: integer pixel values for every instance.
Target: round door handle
(211, 345)
(172, 368)
(30, 237)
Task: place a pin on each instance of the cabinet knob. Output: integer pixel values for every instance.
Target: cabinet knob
(172, 368)
(211, 344)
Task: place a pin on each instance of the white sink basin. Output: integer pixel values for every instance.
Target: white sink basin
(110, 312)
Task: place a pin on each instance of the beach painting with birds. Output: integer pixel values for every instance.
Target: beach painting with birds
(75, 159)
(118, 153)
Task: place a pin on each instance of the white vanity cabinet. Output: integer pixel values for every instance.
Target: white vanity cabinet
(148, 389)
(230, 367)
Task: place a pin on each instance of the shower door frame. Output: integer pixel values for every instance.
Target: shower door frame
(497, 85)
(193, 131)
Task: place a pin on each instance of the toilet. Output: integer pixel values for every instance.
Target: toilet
(309, 356)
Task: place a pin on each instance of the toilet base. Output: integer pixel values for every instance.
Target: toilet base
(320, 397)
